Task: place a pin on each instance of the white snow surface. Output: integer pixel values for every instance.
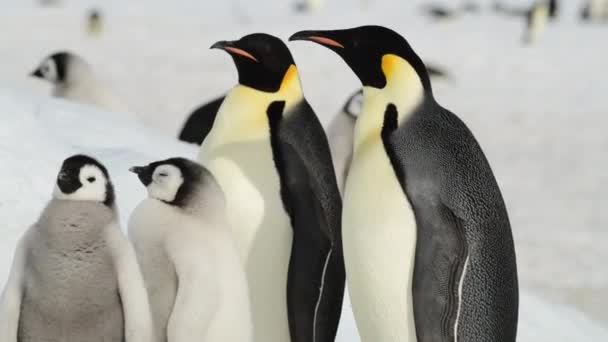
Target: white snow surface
(539, 113)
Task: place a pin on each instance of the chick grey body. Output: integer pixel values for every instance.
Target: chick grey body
(70, 288)
(75, 276)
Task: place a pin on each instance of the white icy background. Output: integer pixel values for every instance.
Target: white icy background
(538, 112)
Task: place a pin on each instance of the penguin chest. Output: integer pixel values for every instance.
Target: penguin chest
(260, 227)
(379, 237)
(246, 173)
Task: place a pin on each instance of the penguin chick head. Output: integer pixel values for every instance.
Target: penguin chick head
(61, 68)
(354, 104)
(83, 178)
(175, 181)
(262, 60)
(364, 50)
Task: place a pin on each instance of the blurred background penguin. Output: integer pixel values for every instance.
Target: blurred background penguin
(94, 22)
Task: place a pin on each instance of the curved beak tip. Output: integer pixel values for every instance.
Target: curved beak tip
(219, 45)
(298, 36)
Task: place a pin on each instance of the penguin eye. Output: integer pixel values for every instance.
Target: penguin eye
(91, 179)
(163, 174)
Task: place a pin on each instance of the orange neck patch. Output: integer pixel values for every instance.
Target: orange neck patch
(390, 63)
(291, 75)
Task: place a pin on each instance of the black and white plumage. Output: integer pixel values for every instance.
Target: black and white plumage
(268, 151)
(427, 241)
(75, 276)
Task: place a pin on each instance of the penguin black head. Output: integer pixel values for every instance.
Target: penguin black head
(553, 9)
(363, 49)
(174, 181)
(262, 60)
(54, 68)
(83, 178)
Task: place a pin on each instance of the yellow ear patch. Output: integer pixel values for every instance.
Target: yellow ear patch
(291, 75)
(390, 64)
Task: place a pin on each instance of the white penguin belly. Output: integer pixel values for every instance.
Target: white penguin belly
(379, 237)
(260, 228)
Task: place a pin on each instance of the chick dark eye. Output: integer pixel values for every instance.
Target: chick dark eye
(91, 179)
(162, 174)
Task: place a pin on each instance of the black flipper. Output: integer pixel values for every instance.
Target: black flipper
(200, 122)
(315, 286)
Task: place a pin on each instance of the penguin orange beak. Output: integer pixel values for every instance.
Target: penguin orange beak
(317, 37)
(232, 49)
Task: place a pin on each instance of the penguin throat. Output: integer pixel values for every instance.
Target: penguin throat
(242, 115)
(404, 89)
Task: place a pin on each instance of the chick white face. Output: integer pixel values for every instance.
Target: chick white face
(48, 70)
(82, 180)
(354, 105)
(165, 182)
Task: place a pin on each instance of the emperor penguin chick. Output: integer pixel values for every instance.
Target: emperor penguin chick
(195, 281)
(73, 79)
(75, 276)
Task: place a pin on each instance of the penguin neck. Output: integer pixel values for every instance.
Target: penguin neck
(404, 89)
(242, 115)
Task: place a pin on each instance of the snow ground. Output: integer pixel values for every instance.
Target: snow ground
(538, 112)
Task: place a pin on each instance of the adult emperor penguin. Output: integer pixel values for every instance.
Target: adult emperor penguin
(194, 276)
(75, 276)
(73, 79)
(427, 242)
(269, 153)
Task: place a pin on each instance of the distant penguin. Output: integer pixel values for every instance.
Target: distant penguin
(341, 130)
(440, 12)
(193, 273)
(308, 6)
(94, 22)
(75, 276)
(595, 10)
(199, 123)
(536, 20)
(427, 242)
(269, 153)
(340, 134)
(73, 79)
(553, 9)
